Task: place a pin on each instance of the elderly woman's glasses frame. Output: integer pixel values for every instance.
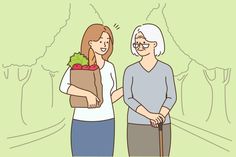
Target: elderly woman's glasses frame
(137, 45)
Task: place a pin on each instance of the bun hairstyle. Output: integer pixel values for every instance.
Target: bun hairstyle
(93, 33)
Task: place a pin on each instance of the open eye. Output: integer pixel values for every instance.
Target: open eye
(107, 42)
(100, 42)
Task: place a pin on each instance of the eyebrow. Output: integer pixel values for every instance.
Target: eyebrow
(102, 38)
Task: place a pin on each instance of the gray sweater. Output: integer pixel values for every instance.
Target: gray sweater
(152, 89)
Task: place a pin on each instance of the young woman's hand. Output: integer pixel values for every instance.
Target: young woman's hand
(117, 94)
(92, 100)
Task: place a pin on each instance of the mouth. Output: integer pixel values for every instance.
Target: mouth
(140, 49)
(103, 49)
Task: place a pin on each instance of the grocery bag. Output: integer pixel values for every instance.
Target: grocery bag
(89, 80)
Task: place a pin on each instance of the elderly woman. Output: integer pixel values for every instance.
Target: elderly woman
(149, 92)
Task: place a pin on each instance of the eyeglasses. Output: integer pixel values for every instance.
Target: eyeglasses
(137, 45)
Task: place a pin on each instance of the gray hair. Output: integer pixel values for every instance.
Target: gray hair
(151, 33)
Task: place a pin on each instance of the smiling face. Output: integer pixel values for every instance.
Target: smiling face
(102, 45)
(97, 39)
(143, 46)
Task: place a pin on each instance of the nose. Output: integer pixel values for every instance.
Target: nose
(140, 48)
(105, 45)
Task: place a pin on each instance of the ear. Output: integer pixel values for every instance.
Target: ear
(155, 44)
(90, 42)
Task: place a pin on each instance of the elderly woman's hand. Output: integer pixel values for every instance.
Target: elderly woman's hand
(154, 124)
(156, 118)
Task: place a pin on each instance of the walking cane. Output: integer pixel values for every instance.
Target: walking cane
(160, 128)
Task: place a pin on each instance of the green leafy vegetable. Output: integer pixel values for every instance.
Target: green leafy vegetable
(78, 58)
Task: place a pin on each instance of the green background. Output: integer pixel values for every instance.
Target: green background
(37, 36)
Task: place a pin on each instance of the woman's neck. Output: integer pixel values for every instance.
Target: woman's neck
(148, 60)
(100, 61)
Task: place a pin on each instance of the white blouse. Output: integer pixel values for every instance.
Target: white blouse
(106, 111)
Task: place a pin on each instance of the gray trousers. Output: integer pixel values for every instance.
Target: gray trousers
(143, 140)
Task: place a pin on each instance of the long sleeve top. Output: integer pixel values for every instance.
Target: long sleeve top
(152, 89)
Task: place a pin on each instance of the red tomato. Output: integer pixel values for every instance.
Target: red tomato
(85, 67)
(77, 67)
(93, 67)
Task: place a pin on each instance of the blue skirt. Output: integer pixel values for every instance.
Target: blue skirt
(92, 138)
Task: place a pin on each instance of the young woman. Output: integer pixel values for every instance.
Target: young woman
(149, 92)
(92, 131)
